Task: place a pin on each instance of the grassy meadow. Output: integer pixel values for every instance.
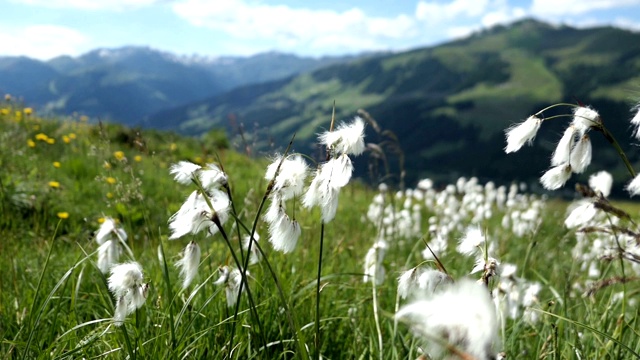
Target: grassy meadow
(60, 180)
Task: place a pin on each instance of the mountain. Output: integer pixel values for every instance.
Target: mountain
(447, 105)
(128, 84)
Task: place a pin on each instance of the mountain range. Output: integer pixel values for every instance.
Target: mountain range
(128, 84)
(446, 107)
(438, 111)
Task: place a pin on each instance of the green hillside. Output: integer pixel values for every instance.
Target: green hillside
(538, 289)
(448, 104)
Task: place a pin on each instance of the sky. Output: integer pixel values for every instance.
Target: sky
(44, 29)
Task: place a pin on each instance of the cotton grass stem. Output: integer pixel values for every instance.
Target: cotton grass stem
(318, 340)
(243, 279)
(287, 309)
(376, 317)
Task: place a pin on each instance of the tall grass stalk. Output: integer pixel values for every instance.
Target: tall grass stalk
(32, 327)
(318, 339)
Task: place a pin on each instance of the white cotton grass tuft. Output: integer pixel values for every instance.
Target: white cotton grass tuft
(581, 154)
(195, 215)
(460, 316)
(373, 267)
(633, 187)
(562, 152)
(584, 118)
(472, 240)
(110, 230)
(420, 281)
(230, 278)
(184, 172)
(635, 121)
(189, 263)
(580, 214)
(522, 133)
(289, 181)
(346, 138)
(212, 177)
(109, 237)
(255, 256)
(601, 182)
(284, 233)
(321, 193)
(108, 254)
(125, 283)
(556, 177)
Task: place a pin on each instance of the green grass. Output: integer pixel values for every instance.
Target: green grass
(54, 302)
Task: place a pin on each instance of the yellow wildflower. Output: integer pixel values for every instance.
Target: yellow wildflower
(66, 139)
(51, 141)
(106, 165)
(72, 136)
(28, 111)
(119, 155)
(56, 164)
(63, 215)
(111, 180)
(197, 160)
(100, 220)
(173, 146)
(109, 195)
(54, 184)
(137, 158)
(31, 143)
(4, 111)
(42, 137)
(18, 114)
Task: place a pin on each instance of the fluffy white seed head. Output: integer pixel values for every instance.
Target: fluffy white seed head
(108, 254)
(231, 278)
(110, 230)
(289, 181)
(580, 215)
(634, 186)
(284, 233)
(581, 154)
(461, 315)
(188, 264)
(635, 121)
(212, 177)
(346, 138)
(184, 171)
(556, 177)
(584, 118)
(601, 182)
(125, 277)
(471, 241)
(522, 133)
(195, 215)
(562, 152)
(255, 256)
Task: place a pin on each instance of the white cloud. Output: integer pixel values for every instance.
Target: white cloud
(576, 7)
(293, 28)
(435, 12)
(42, 41)
(114, 5)
(627, 23)
(502, 16)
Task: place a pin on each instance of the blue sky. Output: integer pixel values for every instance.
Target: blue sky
(47, 28)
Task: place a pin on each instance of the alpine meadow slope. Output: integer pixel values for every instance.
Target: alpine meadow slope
(447, 104)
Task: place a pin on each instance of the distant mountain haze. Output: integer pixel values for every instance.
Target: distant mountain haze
(130, 83)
